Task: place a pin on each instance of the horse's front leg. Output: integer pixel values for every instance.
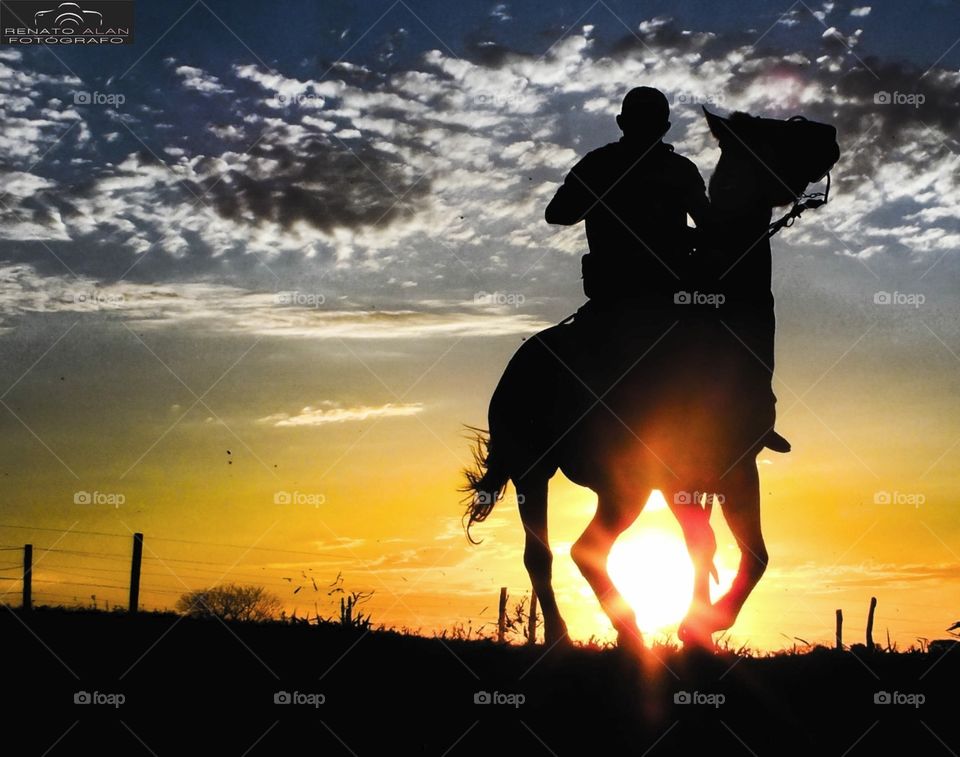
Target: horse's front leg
(694, 520)
(741, 510)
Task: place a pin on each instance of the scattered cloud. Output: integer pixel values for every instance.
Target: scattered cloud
(199, 80)
(224, 310)
(330, 412)
(437, 172)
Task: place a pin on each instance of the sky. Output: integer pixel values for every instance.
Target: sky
(261, 267)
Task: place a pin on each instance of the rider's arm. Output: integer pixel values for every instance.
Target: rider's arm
(573, 199)
(698, 205)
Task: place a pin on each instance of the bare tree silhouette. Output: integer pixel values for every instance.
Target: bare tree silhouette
(230, 602)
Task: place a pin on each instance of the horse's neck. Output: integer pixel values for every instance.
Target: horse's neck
(744, 249)
(734, 224)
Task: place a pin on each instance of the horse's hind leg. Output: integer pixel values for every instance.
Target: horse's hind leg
(537, 557)
(616, 511)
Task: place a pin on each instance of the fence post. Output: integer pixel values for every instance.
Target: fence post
(532, 621)
(873, 608)
(839, 629)
(27, 603)
(502, 615)
(134, 604)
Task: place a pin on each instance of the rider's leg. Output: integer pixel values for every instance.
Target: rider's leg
(537, 557)
(765, 343)
(756, 327)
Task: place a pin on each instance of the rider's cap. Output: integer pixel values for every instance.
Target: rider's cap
(646, 104)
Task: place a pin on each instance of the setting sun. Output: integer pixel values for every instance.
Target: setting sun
(652, 569)
(653, 572)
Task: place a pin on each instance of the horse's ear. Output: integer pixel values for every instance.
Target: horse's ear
(718, 126)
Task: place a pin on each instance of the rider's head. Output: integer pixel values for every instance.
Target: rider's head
(645, 114)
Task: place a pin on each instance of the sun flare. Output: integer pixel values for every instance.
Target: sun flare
(653, 572)
(650, 566)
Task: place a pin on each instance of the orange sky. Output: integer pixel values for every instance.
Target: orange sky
(386, 509)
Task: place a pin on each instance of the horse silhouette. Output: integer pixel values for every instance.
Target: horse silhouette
(642, 396)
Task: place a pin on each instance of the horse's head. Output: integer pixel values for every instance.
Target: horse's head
(765, 162)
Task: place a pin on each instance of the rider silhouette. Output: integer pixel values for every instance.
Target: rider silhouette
(634, 196)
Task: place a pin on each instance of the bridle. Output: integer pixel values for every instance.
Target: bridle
(800, 204)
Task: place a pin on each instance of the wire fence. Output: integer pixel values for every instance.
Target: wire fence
(70, 568)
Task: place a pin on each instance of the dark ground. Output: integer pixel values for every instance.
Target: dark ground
(200, 687)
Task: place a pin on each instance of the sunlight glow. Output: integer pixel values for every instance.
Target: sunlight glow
(656, 502)
(653, 572)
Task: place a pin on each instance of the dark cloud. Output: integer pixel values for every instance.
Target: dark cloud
(317, 182)
(486, 52)
(856, 81)
(663, 35)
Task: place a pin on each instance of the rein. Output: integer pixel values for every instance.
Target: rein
(803, 201)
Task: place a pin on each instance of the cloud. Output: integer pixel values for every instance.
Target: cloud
(329, 412)
(199, 80)
(437, 172)
(866, 576)
(219, 309)
(295, 177)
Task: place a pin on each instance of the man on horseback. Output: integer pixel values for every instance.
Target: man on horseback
(586, 399)
(634, 196)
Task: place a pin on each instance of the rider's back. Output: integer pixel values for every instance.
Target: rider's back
(634, 199)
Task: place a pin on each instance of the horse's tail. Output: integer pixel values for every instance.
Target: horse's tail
(486, 481)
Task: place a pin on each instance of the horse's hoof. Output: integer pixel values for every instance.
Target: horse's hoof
(695, 636)
(559, 642)
(631, 642)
